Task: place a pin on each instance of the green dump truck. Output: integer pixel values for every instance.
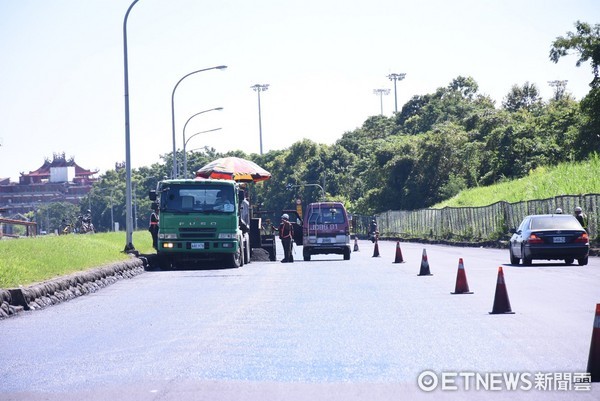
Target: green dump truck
(202, 219)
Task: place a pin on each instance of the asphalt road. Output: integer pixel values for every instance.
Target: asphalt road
(328, 329)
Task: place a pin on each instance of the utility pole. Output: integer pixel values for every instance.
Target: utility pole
(396, 77)
(380, 93)
(260, 88)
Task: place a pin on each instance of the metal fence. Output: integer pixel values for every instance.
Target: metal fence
(486, 223)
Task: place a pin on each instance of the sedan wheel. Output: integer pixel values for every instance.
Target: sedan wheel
(513, 259)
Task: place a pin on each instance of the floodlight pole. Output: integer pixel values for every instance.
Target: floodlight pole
(260, 88)
(380, 93)
(396, 77)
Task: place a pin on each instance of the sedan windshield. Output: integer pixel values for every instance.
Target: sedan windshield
(555, 223)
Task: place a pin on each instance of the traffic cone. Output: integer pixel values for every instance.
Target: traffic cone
(399, 258)
(376, 249)
(424, 265)
(593, 367)
(355, 244)
(462, 286)
(501, 302)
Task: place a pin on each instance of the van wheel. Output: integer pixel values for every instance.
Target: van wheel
(306, 255)
(347, 254)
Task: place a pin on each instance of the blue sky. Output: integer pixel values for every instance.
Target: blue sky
(61, 75)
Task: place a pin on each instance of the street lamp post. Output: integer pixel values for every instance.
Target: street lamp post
(184, 142)
(290, 186)
(220, 67)
(396, 77)
(128, 223)
(381, 92)
(260, 88)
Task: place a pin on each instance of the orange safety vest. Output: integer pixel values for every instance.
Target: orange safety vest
(283, 227)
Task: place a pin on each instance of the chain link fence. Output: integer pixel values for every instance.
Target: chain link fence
(476, 224)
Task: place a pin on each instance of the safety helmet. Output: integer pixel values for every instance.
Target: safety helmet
(578, 209)
(285, 216)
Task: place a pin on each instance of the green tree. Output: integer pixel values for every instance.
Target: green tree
(585, 42)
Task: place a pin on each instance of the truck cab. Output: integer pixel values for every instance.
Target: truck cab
(200, 220)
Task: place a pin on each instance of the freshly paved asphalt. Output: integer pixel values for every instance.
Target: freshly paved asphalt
(328, 329)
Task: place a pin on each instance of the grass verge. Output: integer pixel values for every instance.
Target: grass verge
(29, 260)
(541, 183)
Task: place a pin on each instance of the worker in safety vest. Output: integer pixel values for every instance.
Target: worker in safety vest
(285, 234)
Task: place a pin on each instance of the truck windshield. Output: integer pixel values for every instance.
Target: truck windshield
(200, 198)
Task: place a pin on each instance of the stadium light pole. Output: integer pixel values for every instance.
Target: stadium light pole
(260, 88)
(380, 93)
(184, 141)
(185, 144)
(396, 77)
(128, 221)
(219, 67)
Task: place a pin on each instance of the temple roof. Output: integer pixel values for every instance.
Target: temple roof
(59, 160)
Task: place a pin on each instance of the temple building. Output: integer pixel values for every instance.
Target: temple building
(58, 180)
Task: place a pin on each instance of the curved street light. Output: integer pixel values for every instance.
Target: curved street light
(185, 144)
(290, 186)
(128, 220)
(219, 67)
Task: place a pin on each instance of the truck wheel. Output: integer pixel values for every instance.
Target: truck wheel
(247, 250)
(236, 259)
(272, 256)
(306, 255)
(164, 262)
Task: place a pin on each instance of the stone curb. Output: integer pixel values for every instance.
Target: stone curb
(52, 292)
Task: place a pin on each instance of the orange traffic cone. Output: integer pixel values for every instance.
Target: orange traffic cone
(355, 244)
(462, 287)
(501, 302)
(424, 265)
(593, 367)
(376, 249)
(399, 258)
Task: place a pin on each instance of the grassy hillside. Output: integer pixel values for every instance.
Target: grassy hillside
(542, 183)
(29, 260)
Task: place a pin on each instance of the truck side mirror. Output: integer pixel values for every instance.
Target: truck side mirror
(154, 205)
(152, 195)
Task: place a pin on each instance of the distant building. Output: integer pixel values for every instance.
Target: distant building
(59, 180)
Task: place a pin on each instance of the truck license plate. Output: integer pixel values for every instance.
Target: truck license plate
(559, 240)
(197, 245)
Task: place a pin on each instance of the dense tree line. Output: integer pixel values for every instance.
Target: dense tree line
(437, 145)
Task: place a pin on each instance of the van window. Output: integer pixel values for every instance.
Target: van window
(326, 215)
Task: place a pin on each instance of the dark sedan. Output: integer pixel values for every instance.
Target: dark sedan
(549, 237)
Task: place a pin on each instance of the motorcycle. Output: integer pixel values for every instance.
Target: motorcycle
(374, 236)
